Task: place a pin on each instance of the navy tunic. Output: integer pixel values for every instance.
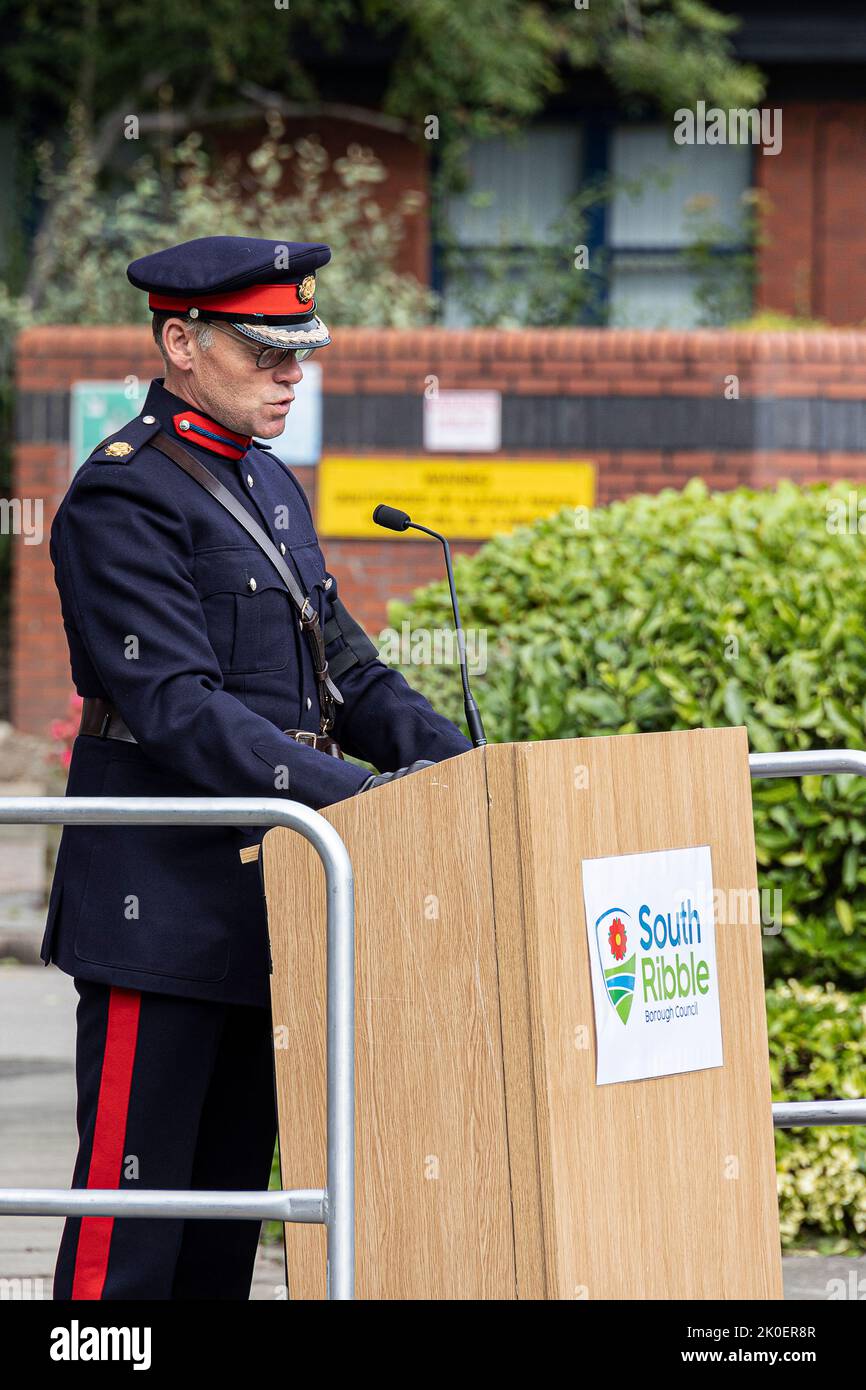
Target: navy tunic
(174, 614)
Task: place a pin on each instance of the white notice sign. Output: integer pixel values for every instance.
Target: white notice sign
(463, 420)
(652, 950)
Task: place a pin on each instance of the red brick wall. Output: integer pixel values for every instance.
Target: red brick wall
(814, 262)
(640, 369)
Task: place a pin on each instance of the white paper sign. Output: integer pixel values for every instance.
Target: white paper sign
(652, 950)
(463, 420)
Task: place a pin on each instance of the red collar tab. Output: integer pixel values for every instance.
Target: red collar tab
(201, 430)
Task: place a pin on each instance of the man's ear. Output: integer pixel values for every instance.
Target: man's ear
(177, 339)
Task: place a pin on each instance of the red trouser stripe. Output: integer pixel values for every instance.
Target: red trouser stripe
(106, 1158)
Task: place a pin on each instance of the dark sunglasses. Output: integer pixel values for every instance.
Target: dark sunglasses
(268, 357)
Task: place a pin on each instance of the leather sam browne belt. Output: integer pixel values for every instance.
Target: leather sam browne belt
(100, 718)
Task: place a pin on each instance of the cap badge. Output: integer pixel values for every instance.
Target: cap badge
(307, 288)
(119, 449)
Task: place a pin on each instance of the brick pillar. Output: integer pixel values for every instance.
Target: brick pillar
(814, 262)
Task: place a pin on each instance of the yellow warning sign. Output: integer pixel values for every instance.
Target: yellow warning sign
(465, 498)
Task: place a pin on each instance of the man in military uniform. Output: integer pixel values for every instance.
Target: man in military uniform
(199, 678)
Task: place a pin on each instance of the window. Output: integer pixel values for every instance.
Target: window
(649, 285)
(518, 188)
(507, 246)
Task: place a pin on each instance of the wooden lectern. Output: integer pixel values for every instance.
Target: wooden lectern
(490, 1164)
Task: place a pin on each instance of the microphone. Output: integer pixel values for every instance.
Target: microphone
(395, 520)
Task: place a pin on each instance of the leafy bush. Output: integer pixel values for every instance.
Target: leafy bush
(689, 609)
(817, 1052)
(723, 256)
(773, 321)
(283, 188)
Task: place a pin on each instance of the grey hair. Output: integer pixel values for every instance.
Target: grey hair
(202, 330)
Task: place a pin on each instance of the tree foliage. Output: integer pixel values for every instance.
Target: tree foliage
(439, 73)
(87, 240)
(479, 67)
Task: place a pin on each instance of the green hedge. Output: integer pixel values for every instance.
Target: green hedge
(696, 609)
(817, 1052)
(689, 609)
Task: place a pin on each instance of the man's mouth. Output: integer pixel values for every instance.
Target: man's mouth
(283, 405)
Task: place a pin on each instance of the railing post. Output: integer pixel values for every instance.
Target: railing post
(334, 1205)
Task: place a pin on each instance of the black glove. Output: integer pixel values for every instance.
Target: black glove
(378, 779)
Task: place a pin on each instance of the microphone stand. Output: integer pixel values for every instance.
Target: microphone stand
(395, 520)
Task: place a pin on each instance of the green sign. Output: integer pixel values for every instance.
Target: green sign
(99, 408)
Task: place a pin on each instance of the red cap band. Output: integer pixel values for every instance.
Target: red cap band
(273, 300)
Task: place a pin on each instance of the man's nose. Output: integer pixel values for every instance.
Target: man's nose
(289, 371)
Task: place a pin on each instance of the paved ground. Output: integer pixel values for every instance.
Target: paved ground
(24, 870)
(37, 1140)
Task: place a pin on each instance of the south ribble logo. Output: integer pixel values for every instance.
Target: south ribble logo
(612, 940)
(658, 960)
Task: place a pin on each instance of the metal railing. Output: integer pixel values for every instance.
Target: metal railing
(818, 761)
(332, 1206)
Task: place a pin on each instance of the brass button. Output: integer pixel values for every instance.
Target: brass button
(328, 583)
(148, 420)
(183, 424)
(252, 583)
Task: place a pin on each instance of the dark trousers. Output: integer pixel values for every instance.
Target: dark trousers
(172, 1093)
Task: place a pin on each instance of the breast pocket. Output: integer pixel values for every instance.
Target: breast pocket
(247, 609)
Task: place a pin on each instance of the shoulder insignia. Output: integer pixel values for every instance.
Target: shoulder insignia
(124, 444)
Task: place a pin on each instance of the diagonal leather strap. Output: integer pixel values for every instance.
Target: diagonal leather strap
(309, 617)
